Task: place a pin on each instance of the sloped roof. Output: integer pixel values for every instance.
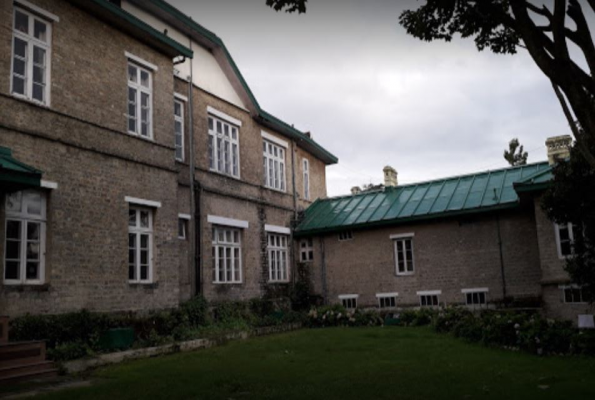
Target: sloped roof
(15, 175)
(177, 18)
(538, 181)
(457, 195)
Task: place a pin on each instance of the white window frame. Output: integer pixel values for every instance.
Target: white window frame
(467, 292)
(429, 293)
(274, 166)
(306, 250)
(345, 236)
(183, 224)
(570, 228)
(347, 298)
(23, 218)
(278, 257)
(179, 119)
(139, 231)
(216, 155)
(403, 238)
(32, 42)
(381, 296)
(572, 287)
(306, 178)
(140, 90)
(224, 244)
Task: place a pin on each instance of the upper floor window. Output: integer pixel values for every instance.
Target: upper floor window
(345, 235)
(140, 101)
(227, 255)
(274, 166)
(179, 129)
(140, 245)
(306, 250)
(278, 258)
(24, 256)
(404, 255)
(224, 147)
(565, 235)
(306, 170)
(31, 56)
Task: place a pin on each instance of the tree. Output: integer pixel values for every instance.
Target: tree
(572, 199)
(505, 25)
(515, 159)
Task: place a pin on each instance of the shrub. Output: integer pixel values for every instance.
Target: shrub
(337, 315)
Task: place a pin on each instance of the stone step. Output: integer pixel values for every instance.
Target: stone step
(45, 374)
(21, 353)
(22, 370)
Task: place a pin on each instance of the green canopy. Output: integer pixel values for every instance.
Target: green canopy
(14, 175)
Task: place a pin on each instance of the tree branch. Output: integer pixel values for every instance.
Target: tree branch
(582, 36)
(560, 45)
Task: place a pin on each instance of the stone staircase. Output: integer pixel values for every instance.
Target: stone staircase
(22, 361)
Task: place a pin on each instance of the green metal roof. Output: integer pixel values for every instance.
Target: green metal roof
(484, 191)
(14, 175)
(275, 123)
(539, 181)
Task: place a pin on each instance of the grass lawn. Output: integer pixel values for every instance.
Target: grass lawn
(345, 363)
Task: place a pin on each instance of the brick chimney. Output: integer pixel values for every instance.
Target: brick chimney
(356, 190)
(558, 148)
(390, 176)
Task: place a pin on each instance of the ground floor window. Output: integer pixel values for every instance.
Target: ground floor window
(306, 250)
(387, 300)
(349, 301)
(278, 258)
(227, 255)
(575, 295)
(24, 253)
(428, 300)
(182, 229)
(140, 245)
(475, 297)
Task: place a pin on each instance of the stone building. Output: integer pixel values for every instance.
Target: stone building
(137, 168)
(480, 240)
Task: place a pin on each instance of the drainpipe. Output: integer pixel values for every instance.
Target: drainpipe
(501, 258)
(294, 224)
(324, 286)
(194, 197)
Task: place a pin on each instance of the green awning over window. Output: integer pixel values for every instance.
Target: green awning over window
(14, 175)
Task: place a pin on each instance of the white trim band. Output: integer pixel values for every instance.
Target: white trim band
(187, 217)
(274, 139)
(181, 97)
(348, 296)
(235, 223)
(402, 236)
(37, 10)
(382, 295)
(476, 290)
(277, 229)
(49, 185)
(142, 202)
(140, 61)
(429, 292)
(224, 116)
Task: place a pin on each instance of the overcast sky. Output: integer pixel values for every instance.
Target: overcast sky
(374, 96)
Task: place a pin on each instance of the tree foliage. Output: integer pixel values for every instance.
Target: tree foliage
(289, 6)
(511, 155)
(572, 199)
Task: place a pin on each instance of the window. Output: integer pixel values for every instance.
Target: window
(274, 166)
(349, 301)
(140, 245)
(227, 255)
(428, 300)
(306, 179)
(404, 256)
(31, 56)
(475, 297)
(179, 129)
(575, 294)
(25, 238)
(346, 235)
(387, 300)
(224, 156)
(306, 250)
(182, 228)
(140, 101)
(278, 261)
(565, 235)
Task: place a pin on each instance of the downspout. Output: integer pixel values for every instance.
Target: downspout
(295, 213)
(323, 272)
(194, 196)
(501, 258)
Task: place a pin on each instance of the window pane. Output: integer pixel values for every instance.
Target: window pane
(144, 220)
(144, 272)
(33, 231)
(219, 127)
(131, 217)
(40, 31)
(13, 230)
(19, 67)
(132, 73)
(13, 250)
(32, 270)
(38, 57)
(177, 109)
(144, 241)
(21, 22)
(211, 124)
(565, 248)
(144, 78)
(12, 270)
(18, 85)
(144, 257)
(33, 201)
(33, 251)
(20, 48)
(38, 92)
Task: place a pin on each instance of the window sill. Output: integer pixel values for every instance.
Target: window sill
(29, 100)
(405, 274)
(228, 283)
(272, 189)
(145, 285)
(26, 287)
(139, 136)
(214, 171)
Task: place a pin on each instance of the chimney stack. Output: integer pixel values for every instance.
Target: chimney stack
(390, 176)
(356, 190)
(558, 148)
